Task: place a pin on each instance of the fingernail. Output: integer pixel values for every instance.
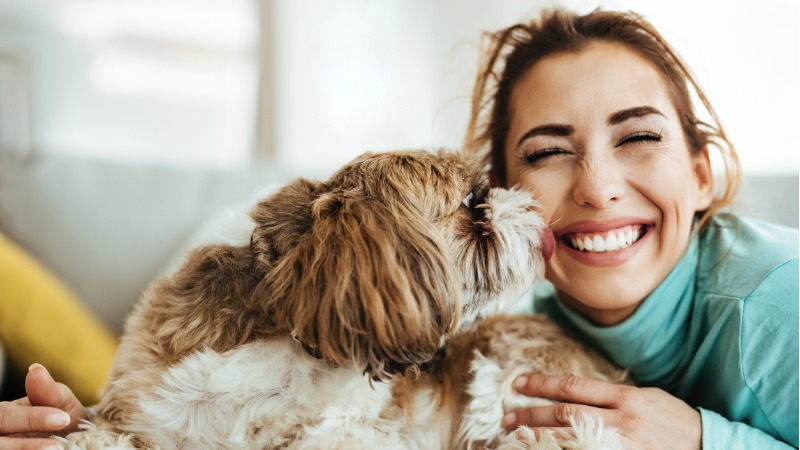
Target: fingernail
(58, 419)
(54, 447)
(509, 419)
(520, 381)
(34, 366)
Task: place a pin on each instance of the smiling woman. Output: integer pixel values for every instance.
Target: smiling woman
(700, 305)
(593, 115)
(585, 135)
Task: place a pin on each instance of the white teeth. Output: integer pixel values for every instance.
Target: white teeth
(611, 242)
(614, 240)
(599, 244)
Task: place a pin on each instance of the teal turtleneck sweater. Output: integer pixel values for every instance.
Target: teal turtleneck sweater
(720, 332)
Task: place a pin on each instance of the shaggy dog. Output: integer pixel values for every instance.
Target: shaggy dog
(341, 315)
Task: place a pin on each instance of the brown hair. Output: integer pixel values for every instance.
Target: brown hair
(514, 50)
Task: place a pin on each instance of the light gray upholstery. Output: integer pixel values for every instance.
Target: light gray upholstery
(107, 229)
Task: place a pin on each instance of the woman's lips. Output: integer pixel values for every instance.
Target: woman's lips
(605, 243)
(593, 226)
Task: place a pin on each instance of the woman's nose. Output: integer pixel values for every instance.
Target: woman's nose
(598, 183)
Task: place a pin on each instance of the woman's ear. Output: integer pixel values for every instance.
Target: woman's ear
(703, 180)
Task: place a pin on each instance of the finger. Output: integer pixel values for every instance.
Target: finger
(43, 390)
(29, 444)
(23, 419)
(21, 402)
(570, 388)
(558, 415)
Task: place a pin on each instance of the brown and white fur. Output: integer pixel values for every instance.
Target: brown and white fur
(321, 320)
(487, 361)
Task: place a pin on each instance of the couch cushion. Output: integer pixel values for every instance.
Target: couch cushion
(107, 228)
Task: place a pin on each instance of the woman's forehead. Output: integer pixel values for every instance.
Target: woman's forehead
(596, 81)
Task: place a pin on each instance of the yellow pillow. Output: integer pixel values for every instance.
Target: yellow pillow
(42, 321)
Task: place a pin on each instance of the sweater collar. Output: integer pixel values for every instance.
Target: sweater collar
(650, 343)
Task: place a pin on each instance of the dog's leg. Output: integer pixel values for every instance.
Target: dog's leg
(480, 419)
(96, 437)
(507, 346)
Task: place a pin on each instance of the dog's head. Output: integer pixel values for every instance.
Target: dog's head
(393, 254)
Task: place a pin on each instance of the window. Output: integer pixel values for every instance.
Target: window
(164, 81)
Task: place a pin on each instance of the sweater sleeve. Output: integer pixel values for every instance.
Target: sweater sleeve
(720, 433)
(769, 360)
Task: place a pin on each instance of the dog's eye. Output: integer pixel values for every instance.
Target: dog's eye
(469, 200)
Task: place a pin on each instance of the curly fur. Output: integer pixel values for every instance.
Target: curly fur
(322, 319)
(507, 346)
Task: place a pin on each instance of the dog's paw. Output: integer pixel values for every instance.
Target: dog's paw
(588, 433)
(591, 434)
(525, 439)
(92, 437)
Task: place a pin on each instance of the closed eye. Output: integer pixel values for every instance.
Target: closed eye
(641, 138)
(543, 154)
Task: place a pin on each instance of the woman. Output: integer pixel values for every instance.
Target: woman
(592, 114)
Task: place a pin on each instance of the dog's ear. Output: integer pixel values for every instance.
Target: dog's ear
(281, 220)
(370, 284)
(221, 285)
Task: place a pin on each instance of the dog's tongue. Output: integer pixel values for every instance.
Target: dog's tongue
(548, 243)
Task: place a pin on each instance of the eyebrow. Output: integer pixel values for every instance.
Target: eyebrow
(632, 113)
(613, 119)
(547, 130)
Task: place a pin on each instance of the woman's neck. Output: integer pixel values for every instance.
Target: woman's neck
(600, 317)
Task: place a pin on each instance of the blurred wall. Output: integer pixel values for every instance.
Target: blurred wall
(354, 75)
(161, 81)
(309, 84)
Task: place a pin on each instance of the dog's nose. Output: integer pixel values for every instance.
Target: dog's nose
(548, 242)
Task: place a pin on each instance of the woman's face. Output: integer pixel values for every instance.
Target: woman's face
(595, 137)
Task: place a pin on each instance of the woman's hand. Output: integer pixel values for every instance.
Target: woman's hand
(50, 408)
(646, 417)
